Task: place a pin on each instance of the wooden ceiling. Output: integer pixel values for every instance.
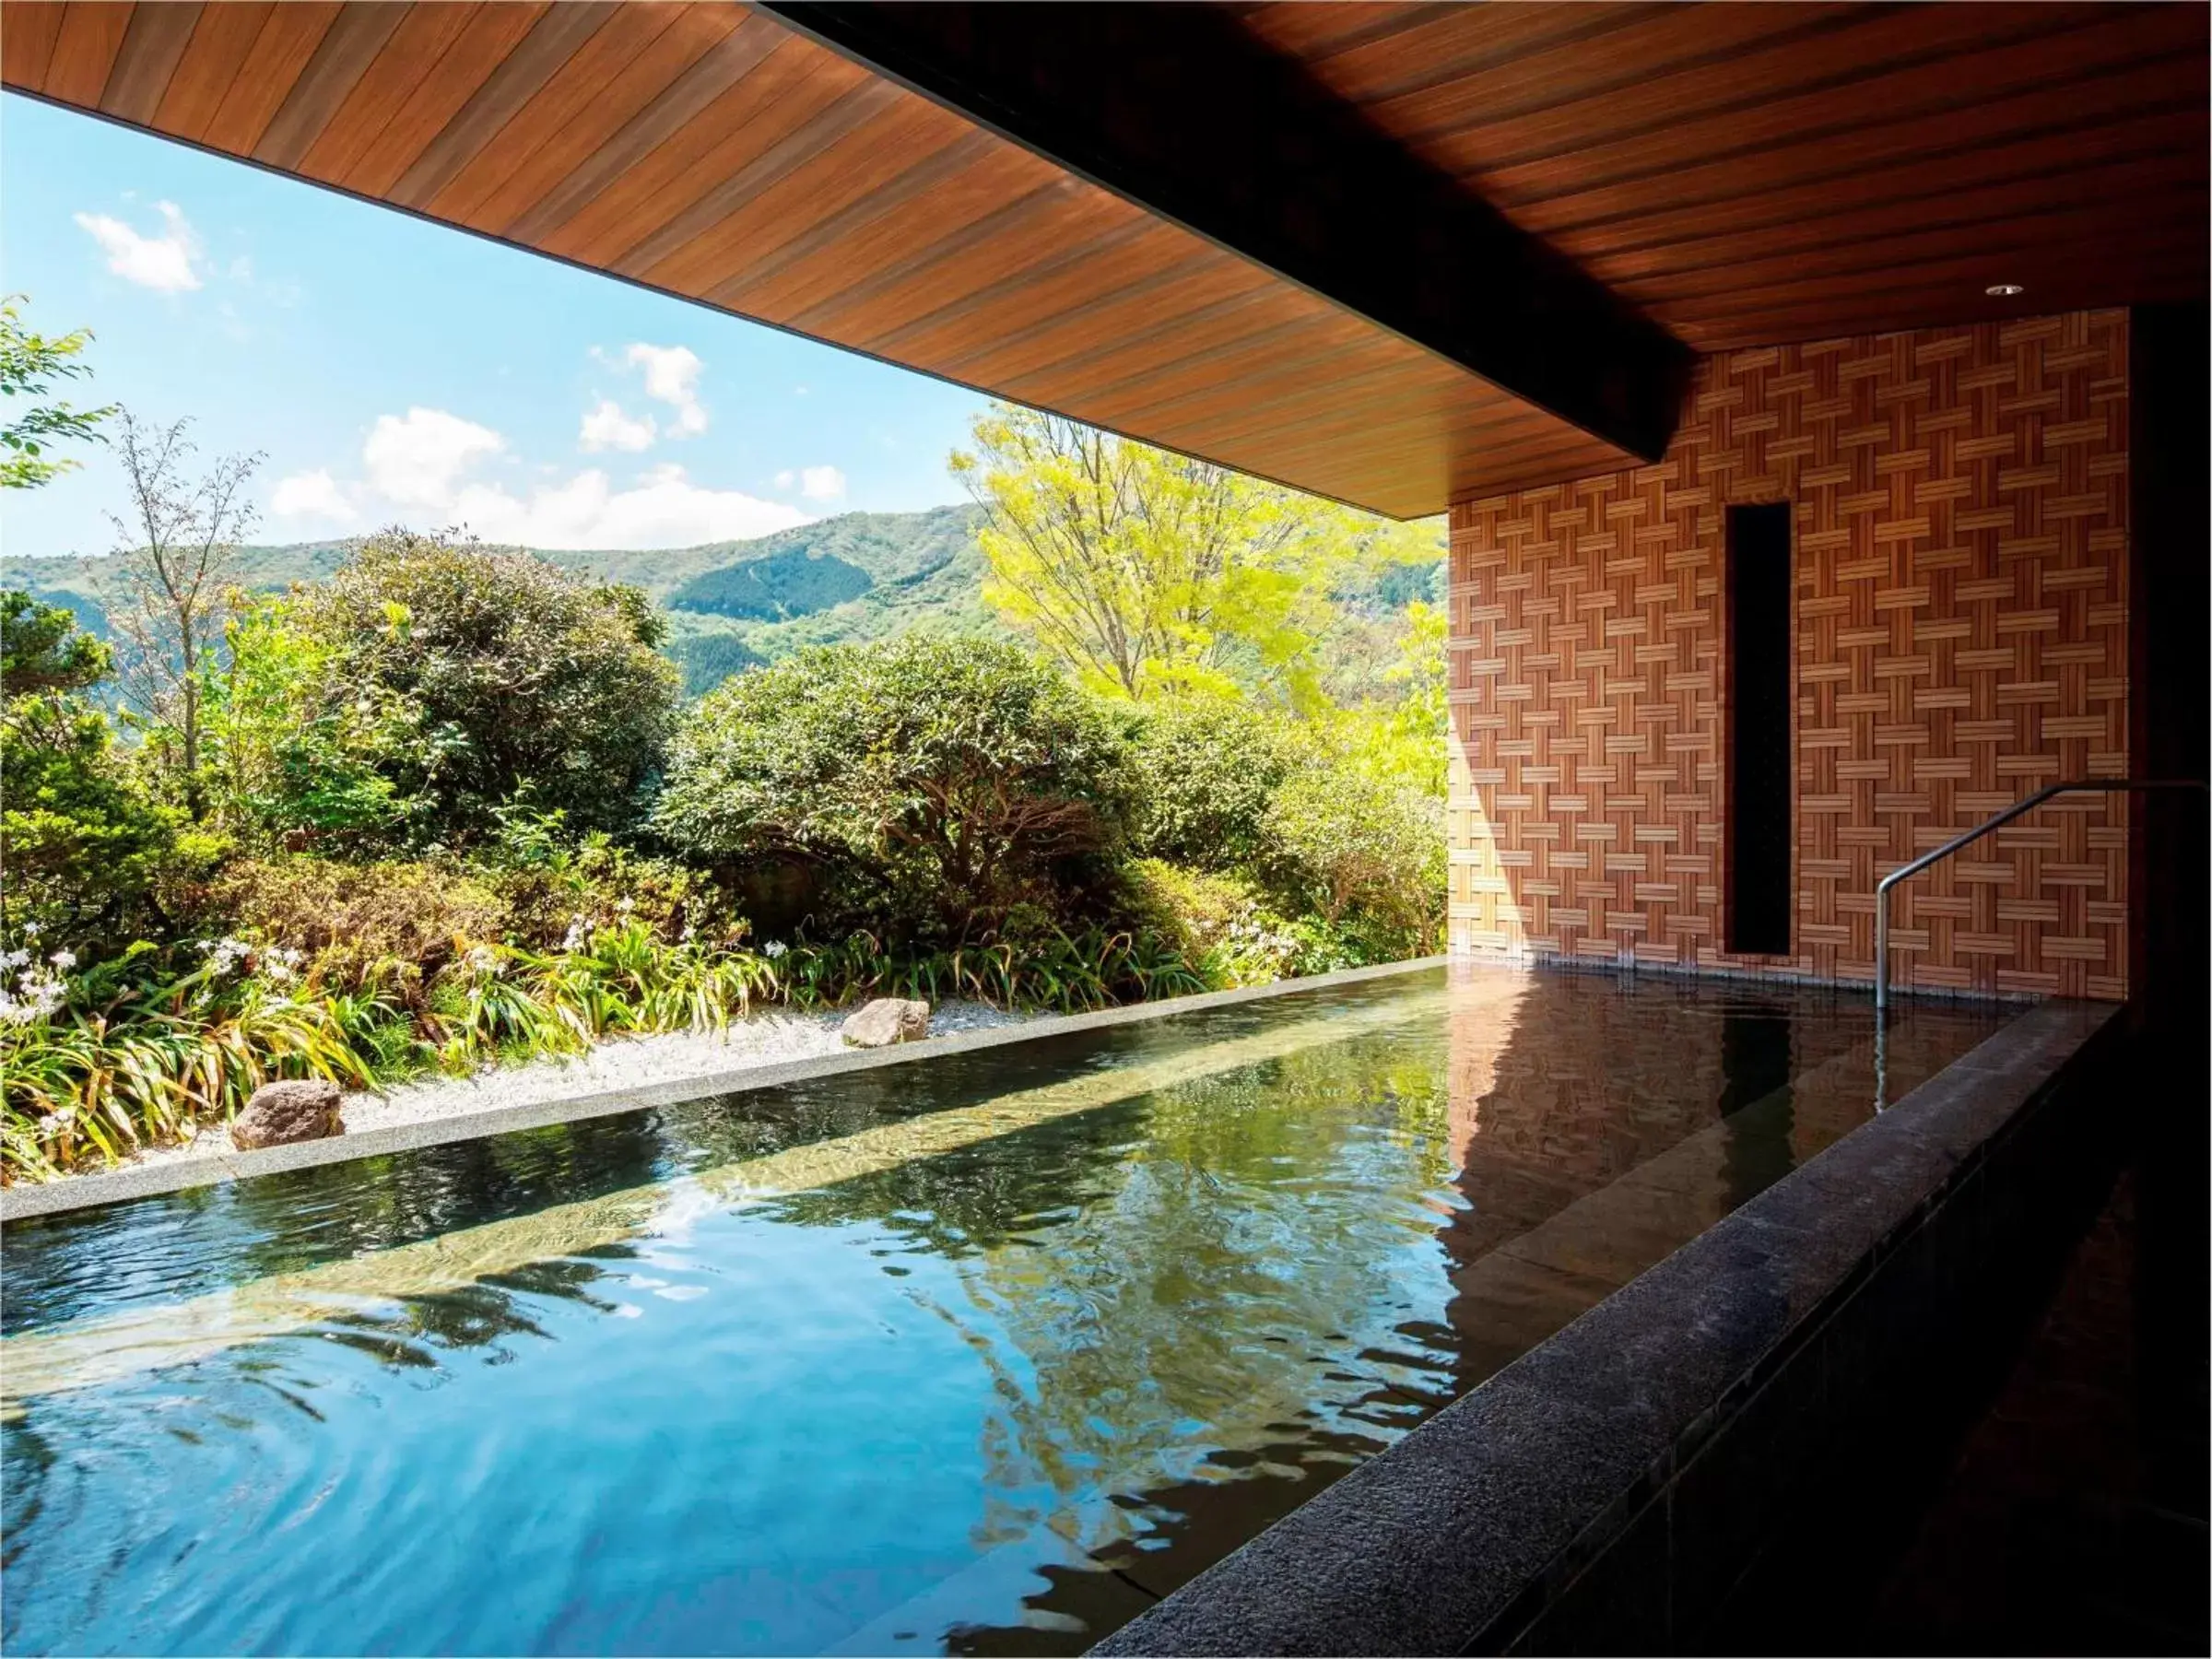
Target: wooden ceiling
(1750, 174)
(1743, 173)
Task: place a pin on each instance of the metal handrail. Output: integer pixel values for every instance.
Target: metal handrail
(2017, 810)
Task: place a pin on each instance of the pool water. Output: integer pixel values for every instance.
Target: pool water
(981, 1353)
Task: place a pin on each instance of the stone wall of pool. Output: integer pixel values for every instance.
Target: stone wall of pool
(1713, 1455)
(143, 1180)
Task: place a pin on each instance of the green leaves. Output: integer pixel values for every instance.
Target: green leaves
(30, 365)
(1145, 572)
(490, 673)
(941, 779)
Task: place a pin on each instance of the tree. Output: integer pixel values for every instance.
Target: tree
(517, 679)
(948, 776)
(1204, 769)
(30, 365)
(176, 550)
(1144, 572)
(1347, 846)
(296, 754)
(43, 651)
(78, 840)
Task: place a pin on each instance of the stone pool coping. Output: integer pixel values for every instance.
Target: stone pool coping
(1604, 1493)
(89, 1192)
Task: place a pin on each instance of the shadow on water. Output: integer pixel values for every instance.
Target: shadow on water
(1183, 1313)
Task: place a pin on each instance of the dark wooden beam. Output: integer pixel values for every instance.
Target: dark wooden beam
(1176, 108)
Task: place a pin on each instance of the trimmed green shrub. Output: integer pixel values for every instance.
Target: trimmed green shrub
(521, 677)
(1364, 857)
(1202, 772)
(943, 781)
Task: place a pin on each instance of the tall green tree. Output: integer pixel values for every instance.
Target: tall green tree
(30, 364)
(1144, 571)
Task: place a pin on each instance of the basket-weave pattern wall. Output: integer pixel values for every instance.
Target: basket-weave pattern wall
(1962, 639)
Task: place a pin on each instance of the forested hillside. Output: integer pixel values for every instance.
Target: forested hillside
(732, 605)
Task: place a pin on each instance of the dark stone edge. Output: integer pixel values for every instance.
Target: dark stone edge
(86, 1191)
(1465, 1535)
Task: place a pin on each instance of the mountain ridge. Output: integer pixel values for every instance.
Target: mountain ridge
(729, 604)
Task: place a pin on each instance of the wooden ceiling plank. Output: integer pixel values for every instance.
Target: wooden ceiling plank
(1709, 54)
(665, 155)
(1267, 328)
(1967, 274)
(343, 53)
(560, 33)
(2050, 61)
(1299, 341)
(1210, 288)
(2076, 218)
(859, 142)
(635, 60)
(1945, 300)
(27, 41)
(1316, 33)
(290, 34)
(1876, 200)
(152, 46)
(1732, 191)
(941, 195)
(221, 43)
(973, 261)
(85, 49)
(1381, 392)
(454, 71)
(1458, 43)
(785, 136)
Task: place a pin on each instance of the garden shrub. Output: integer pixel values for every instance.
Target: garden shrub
(944, 780)
(352, 921)
(1365, 858)
(1202, 772)
(1221, 923)
(521, 677)
(81, 842)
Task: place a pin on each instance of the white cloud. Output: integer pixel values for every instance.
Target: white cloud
(313, 495)
(166, 263)
(419, 468)
(671, 376)
(786, 479)
(608, 428)
(821, 484)
(416, 459)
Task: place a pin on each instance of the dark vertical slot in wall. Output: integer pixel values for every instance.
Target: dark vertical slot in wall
(1758, 832)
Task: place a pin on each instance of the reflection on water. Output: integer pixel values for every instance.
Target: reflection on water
(980, 1354)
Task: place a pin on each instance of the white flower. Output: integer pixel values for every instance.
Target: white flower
(30, 930)
(626, 906)
(773, 948)
(483, 959)
(573, 938)
(64, 959)
(14, 959)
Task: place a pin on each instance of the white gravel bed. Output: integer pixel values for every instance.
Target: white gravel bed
(768, 1038)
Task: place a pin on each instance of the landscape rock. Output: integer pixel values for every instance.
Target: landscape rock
(886, 1020)
(280, 1113)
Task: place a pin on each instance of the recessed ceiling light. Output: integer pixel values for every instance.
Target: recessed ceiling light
(2004, 290)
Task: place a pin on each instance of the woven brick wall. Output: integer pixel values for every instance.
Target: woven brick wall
(1961, 639)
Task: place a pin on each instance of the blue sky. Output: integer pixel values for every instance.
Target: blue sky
(391, 370)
